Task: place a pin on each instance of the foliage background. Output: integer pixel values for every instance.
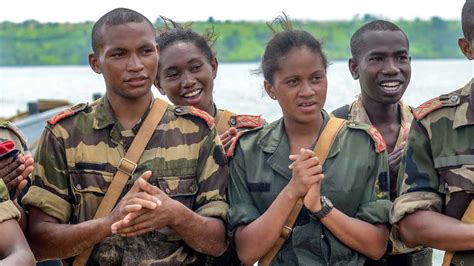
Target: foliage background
(35, 43)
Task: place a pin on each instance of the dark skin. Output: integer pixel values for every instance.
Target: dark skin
(383, 70)
(15, 170)
(14, 248)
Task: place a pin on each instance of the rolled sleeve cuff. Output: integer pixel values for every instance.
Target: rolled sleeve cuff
(216, 208)
(49, 203)
(414, 201)
(8, 211)
(241, 213)
(375, 211)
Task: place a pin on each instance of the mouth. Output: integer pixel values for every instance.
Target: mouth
(136, 81)
(307, 107)
(192, 94)
(392, 85)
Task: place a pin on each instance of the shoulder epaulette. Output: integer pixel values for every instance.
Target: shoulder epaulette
(380, 145)
(245, 121)
(190, 110)
(374, 134)
(435, 104)
(233, 145)
(67, 113)
(10, 126)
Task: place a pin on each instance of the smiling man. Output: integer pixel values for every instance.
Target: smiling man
(180, 209)
(381, 62)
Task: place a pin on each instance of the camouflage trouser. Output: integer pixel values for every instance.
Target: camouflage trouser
(153, 248)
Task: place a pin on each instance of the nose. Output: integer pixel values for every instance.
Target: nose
(391, 67)
(187, 80)
(307, 89)
(135, 63)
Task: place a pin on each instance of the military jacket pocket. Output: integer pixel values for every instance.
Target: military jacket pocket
(182, 189)
(88, 187)
(457, 178)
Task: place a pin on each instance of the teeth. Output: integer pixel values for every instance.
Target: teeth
(192, 93)
(391, 84)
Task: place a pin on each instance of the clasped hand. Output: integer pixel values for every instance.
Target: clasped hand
(144, 208)
(307, 177)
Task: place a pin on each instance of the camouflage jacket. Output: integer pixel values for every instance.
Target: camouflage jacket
(358, 113)
(359, 188)
(437, 171)
(8, 131)
(8, 210)
(77, 158)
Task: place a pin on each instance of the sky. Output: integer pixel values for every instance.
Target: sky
(192, 10)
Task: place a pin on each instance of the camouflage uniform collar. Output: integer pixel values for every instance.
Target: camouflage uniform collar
(464, 114)
(104, 116)
(358, 113)
(274, 134)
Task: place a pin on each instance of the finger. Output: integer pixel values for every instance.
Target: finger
(224, 135)
(140, 232)
(27, 171)
(145, 203)
(14, 174)
(12, 165)
(149, 188)
(22, 185)
(232, 131)
(29, 160)
(146, 225)
(132, 208)
(14, 183)
(136, 187)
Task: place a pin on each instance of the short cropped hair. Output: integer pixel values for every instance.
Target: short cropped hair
(114, 17)
(467, 19)
(357, 40)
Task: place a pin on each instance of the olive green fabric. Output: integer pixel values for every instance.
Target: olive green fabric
(356, 181)
(76, 161)
(8, 210)
(358, 113)
(437, 171)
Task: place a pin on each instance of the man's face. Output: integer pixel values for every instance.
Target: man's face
(383, 66)
(127, 59)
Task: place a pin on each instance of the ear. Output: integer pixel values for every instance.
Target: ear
(269, 89)
(466, 48)
(157, 85)
(354, 68)
(94, 63)
(214, 65)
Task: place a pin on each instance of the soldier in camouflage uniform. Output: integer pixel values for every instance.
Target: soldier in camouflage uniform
(14, 170)
(381, 62)
(186, 74)
(79, 150)
(273, 167)
(437, 175)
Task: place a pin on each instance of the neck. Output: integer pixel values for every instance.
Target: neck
(129, 111)
(302, 135)
(381, 113)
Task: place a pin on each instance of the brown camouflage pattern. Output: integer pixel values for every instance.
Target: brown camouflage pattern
(184, 155)
(8, 210)
(437, 171)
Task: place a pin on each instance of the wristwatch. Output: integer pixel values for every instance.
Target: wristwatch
(327, 207)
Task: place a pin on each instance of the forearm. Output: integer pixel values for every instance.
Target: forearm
(204, 234)
(428, 228)
(14, 249)
(365, 238)
(254, 240)
(50, 240)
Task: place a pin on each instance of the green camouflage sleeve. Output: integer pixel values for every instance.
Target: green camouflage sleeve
(243, 210)
(213, 177)
(418, 182)
(377, 208)
(8, 210)
(49, 191)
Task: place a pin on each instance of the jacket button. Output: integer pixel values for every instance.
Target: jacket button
(178, 110)
(167, 190)
(78, 186)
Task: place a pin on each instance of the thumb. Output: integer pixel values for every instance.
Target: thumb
(136, 185)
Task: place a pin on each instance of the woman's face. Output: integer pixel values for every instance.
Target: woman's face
(299, 85)
(186, 76)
